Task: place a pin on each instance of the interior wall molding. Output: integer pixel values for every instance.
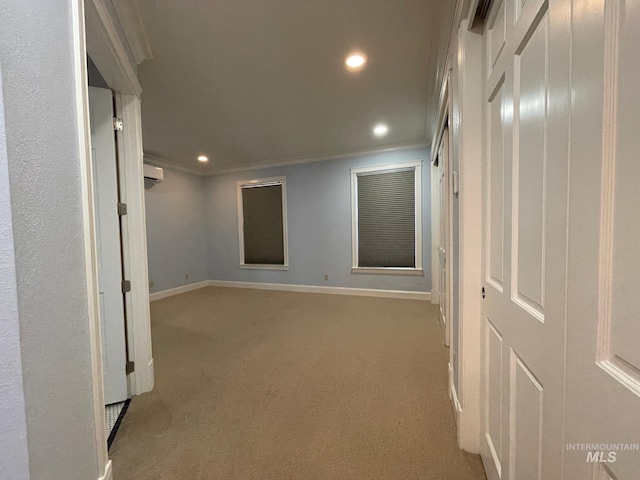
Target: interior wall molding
(107, 51)
(131, 21)
(359, 292)
(178, 290)
(159, 161)
(321, 158)
(108, 472)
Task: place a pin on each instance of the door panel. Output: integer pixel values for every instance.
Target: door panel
(109, 255)
(494, 392)
(529, 178)
(526, 421)
(526, 167)
(495, 201)
(603, 357)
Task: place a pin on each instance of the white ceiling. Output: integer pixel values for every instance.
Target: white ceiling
(250, 82)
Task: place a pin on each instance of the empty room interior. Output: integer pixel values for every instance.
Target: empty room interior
(356, 239)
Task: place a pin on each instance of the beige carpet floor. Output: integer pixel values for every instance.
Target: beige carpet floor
(275, 385)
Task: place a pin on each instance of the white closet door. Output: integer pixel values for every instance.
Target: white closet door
(603, 331)
(525, 216)
(105, 182)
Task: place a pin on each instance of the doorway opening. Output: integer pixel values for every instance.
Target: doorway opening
(108, 211)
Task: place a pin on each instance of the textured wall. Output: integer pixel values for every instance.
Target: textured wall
(176, 231)
(319, 221)
(14, 456)
(36, 54)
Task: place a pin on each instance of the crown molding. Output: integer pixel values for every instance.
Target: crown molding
(159, 161)
(131, 21)
(321, 158)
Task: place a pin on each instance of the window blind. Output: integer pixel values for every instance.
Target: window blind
(387, 219)
(263, 225)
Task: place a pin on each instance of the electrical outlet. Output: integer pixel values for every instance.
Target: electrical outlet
(150, 283)
(326, 277)
(186, 276)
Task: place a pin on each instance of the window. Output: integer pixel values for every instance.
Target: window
(386, 219)
(262, 224)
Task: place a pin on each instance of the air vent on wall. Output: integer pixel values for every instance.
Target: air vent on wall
(482, 9)
(152, 175)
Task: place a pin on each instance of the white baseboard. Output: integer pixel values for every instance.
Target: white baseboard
(178, 290)
(362, 292)
(453, 395)
(108, 472)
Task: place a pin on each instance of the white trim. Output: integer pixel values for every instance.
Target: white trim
(261, 182)
(106, 50)
(388, 271)
(134, 243)
(322, 158)
(470, 263)
(359, 292)
(93, 28)
(393, 167)
(444, 112)
(178, 290)
(88, 230)
(131, 21)
(453, 395)
(445, 238)
(355, 172)
(159, 161)
(245, 266)
(108, 472)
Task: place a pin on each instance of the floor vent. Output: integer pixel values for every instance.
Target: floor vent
(114, 414)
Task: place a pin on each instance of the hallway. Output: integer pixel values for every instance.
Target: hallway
(278, 385)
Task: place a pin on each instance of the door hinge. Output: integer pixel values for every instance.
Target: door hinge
(484, 294)
(122, 208)
(117, 124)
(130, 367)
(126, 286)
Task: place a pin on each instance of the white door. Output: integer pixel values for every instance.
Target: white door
(526, 105)
(105, 182)
(443, 173)
(603, 331)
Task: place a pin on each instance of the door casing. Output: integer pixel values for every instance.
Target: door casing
(95, 35)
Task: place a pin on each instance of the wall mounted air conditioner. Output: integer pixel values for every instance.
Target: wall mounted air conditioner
(152, 175)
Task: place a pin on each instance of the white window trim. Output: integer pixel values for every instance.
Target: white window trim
(285, 231)
(355, 172)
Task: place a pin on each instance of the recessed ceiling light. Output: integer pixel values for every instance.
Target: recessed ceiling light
(356, 61)
(203, 158)
(380, 130)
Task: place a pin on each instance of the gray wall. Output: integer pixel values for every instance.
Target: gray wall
(38, 78)
(14, 455)
(176, 230)
(319, 220)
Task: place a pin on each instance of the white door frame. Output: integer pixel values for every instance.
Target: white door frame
(469, 95)
(462, 89)
(445, 228)
(443, 115)
(96, 35)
